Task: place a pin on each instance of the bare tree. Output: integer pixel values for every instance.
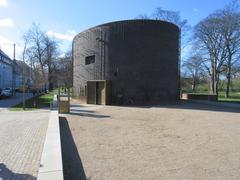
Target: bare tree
(169, 16)
(218, 37)
(194, 69)
(172, 17)
(143, 16)
(65, 70)
(37, 47)
(50, 58)
(42, 54)
(230, 19)
(36, 50)
(210, 40)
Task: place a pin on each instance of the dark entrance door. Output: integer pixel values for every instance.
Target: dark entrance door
(97, 92)
(91, 92)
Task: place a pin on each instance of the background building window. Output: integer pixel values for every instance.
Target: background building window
(89, 60)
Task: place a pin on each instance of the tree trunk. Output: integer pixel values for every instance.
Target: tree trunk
(216, 86)
(213, 81)
(212, 85)
(229, 72)
(50, 80)
(228, 86)
(213, 74)
(194, 85)
(50, 85)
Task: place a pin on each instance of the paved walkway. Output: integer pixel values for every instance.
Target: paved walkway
(22, 136)
(9, 102)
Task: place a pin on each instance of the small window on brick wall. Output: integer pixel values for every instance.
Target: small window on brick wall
(89, 60)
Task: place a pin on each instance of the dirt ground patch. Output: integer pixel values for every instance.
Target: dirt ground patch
(185, 141)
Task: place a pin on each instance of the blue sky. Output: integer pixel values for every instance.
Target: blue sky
(63, 19)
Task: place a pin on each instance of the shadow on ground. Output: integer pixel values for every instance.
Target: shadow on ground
(82, 110)
(72, 164)
(203, 107)
(187, 105)
(86, 113)
(7, 174)
(76, 105)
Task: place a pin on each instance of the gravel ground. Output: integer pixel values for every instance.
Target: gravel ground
(185, 141)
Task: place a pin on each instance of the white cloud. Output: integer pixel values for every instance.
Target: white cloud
(186, 51)
(3, 3)
(195, 10)
(62, 55)
(67, 36)
(6, 45)
(7, 22)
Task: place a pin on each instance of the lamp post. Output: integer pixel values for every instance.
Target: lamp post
(23, 82)
(13, 71)
(24, 78)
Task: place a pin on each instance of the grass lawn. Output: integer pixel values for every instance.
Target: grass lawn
(42, 101)
(234, 97)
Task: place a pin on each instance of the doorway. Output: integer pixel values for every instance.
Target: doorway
(98, 92)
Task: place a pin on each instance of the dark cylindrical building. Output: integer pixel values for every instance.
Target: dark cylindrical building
(132, 62)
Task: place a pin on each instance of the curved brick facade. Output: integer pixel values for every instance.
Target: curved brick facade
(139, 57)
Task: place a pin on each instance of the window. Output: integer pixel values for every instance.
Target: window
(85, 91)
(89, 60)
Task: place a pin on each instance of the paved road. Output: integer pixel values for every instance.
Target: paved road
(22, 136)
(9, 102)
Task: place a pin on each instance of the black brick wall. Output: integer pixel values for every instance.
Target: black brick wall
(140, 57)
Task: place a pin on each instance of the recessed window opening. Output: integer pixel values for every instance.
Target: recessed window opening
(89, 59)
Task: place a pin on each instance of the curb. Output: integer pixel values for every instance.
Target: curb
(218, 104)
(51, 161)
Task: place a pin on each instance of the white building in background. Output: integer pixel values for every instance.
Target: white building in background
(22, 72)
(6, 71)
